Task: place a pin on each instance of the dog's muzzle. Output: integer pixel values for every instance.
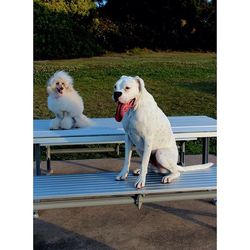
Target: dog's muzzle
(117, 94)
(59, 90)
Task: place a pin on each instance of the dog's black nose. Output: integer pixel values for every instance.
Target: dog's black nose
(117, 94)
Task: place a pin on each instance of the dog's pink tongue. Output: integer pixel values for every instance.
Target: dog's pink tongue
(121, 109)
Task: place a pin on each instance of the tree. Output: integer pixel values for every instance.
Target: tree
(162, 24)
(64, 29)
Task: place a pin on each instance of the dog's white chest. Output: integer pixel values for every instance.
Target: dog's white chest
(135, 137)
(133, 128)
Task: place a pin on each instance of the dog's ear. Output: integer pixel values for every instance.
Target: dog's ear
(68, 85)
(49, 90)
(140, 82)
(49, 85)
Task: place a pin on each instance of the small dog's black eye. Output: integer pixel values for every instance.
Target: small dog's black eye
(115, 87)
(127, 88)
(57, 83)
(62, 83)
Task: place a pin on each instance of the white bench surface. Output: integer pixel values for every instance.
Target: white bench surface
(104, 184)
(183, 127)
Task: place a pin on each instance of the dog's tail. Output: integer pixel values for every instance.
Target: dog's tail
(195, 167)
(83, 121)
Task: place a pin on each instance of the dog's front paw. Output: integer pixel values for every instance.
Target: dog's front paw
(122, 175)
(140, 182)
(54, 124)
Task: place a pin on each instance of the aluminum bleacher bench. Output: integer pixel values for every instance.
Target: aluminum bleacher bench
(79, 190)
(108, 131)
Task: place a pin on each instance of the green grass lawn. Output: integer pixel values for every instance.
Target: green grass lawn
(182, 83)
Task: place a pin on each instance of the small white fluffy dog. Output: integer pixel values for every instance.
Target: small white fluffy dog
(65, 103)
(148, 128)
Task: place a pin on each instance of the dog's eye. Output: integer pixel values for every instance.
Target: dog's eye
(127, 88)
(115, 87)
(57, 83)
(63, 83)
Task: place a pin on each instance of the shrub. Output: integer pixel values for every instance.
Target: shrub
(64, 29)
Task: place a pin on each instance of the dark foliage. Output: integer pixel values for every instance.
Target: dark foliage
(61, 32)
(80, 28)
(159, 24)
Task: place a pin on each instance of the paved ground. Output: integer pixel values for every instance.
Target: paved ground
(166, 225)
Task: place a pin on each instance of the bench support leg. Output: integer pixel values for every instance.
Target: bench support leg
(48, 156)
(138, 200)
(182, 153)
(38, 159)
(205, 151)
(118, 149)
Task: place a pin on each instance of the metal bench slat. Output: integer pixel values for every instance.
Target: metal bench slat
(151, 185)
(108, 192)
(100, 179)
(151, 178)
(104, 184)
(114, 185)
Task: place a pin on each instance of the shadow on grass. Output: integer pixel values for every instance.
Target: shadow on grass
(207, 87)
(49, 236)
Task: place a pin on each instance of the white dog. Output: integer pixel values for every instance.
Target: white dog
(65, 103)
(147, 127)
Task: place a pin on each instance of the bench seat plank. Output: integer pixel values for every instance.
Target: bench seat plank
(103, 184)
(106, 127)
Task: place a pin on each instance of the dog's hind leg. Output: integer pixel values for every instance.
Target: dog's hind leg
(152, 166)
(168, 159)
(169, 178)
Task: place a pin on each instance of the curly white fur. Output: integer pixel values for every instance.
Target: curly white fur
(65, 103)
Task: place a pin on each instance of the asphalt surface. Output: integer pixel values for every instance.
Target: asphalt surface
(172, 225)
